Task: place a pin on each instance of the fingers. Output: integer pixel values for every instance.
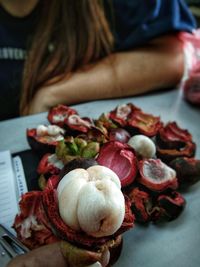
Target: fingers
(46, 256)
(16, 262)
(77, 257)
(62, 254)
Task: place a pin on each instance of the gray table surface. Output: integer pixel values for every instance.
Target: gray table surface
(176, 243)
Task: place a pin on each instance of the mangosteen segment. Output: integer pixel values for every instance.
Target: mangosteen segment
(121, 159)
(156, 175)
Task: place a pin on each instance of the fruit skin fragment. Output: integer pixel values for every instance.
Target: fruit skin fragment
(49, 164)
(58, 114)
(141, 203)
(144, 123)
(135, 120)
(168, 207)
(172, 141)
(156, 175)
(187, 170)
(120, 158)
(172, 136)
(168, 155)
(46, 142)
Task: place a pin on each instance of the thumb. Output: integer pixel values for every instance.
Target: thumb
(77, 257)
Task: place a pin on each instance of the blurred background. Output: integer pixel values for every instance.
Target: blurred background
(195, 8)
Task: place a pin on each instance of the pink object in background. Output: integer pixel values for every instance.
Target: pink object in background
(191, 80)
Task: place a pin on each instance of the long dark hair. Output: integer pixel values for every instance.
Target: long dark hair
(70, 34)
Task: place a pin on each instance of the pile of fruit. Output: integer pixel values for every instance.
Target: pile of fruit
(153, 160)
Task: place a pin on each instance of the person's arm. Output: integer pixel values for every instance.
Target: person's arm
(157, 65)
(60, 254)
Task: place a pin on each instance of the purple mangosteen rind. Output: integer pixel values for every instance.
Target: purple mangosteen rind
(121, 159)
(38, 145)
(170, 206)
(156, 175)
(168, 155)
(187, 170)
(172, 136)
(62, 112)
(140, 204)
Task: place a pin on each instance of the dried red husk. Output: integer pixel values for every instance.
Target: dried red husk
(156, 175)
(120, 158)
(48, 182)
(31, 224)
(75, 125)
(187, 170)
(168, 155)
(121, 113)
(147, 124)
(105, 122)
(96, 134)
(47, 167)
(168, 207)
(191, 89)
(141, 203)
(171, 136)
(58, 114)
(53, 182)
(41, 144)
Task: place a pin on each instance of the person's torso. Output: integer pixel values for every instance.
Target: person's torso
(14, 36)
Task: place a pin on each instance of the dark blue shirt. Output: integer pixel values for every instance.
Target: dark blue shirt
(138, 21)
(15, 34)
(133, 22)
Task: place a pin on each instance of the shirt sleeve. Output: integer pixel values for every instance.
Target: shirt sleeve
(135, 22)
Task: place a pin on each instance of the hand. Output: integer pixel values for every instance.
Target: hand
(61, 254)
(49, 255)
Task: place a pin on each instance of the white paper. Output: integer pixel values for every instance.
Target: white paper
(20, 177)
(12, 185)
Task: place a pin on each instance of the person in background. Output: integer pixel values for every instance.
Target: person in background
(67, 52)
